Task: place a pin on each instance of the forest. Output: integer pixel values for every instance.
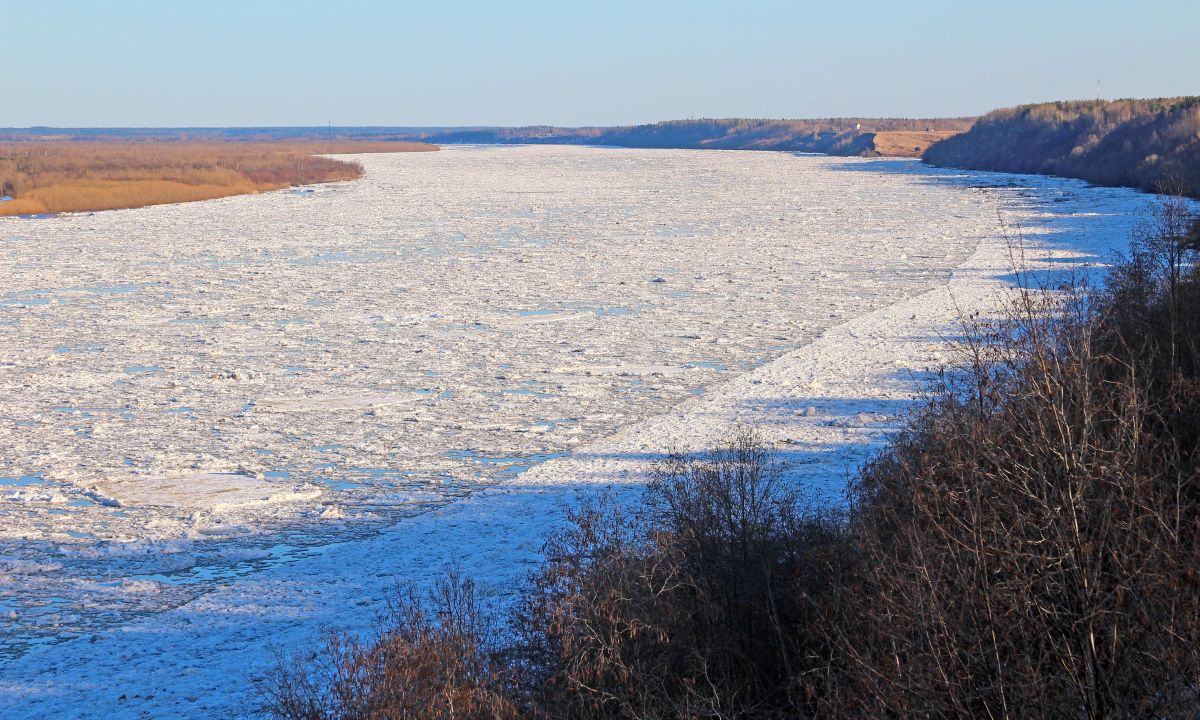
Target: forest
(1148, 144)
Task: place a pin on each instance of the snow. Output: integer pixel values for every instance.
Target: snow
(261, 413)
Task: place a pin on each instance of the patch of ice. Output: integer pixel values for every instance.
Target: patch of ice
(201, 490)
(330, 403)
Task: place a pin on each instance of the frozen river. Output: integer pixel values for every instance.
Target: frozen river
(197, 398)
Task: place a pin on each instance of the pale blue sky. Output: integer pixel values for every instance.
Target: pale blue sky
(355, 62)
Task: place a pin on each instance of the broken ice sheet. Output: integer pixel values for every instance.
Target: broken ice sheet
(273, 371)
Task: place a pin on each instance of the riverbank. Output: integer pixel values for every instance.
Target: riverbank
(843, 137)
(1146, 144)
(40, 177)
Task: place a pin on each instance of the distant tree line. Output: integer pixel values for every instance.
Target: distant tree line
(1131, 143)
(835, 136)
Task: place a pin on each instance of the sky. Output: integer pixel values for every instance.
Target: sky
(220, 63)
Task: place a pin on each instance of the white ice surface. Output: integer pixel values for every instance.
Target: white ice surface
(509, 292)
(199, 490)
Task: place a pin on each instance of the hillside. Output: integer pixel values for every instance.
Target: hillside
(834, 136)
(907, 137)
(1132, 143)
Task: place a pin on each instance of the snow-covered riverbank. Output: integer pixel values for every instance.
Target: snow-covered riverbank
(424, 367)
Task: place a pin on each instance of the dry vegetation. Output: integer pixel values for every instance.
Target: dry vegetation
(1028, 547)
(50, 177)
(909, 143)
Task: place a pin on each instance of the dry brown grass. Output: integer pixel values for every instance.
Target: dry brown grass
(51, 176)
(904, 143)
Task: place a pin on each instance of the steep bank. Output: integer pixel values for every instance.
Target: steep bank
(1127, 143)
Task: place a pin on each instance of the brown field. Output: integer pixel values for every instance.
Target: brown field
(81, 176)
(903, 143)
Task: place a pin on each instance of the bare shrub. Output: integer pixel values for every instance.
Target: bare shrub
(697, 605)
(1031, 544)
(433, 657)
(1151, 312)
